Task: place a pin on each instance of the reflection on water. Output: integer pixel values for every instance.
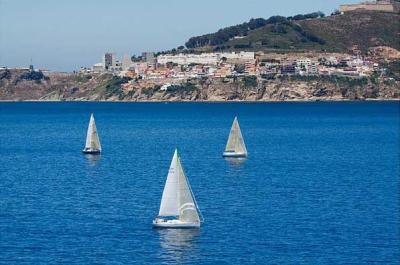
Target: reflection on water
(178, 245)
(236, 161)
(92, 159)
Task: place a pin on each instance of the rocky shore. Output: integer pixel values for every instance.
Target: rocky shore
(17, 85)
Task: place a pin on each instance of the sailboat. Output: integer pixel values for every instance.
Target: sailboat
(235, 146)
(92, 139)
(178, 208)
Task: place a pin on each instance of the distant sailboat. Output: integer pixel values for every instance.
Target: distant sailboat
(235, 146)
(92, 139)
(178, 207)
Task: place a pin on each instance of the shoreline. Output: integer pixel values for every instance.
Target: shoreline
(206, 101)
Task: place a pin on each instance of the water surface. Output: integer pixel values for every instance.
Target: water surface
(320, 185)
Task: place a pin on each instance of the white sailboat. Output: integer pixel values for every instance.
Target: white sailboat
(92, 139)
(235, 146)
(178, 207)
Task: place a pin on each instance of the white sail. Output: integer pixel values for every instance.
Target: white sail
(235, 141)
(177, 198)
(169, 201)
(92, 138)
(187, 205)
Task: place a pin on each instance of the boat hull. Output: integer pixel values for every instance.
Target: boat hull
(234, 155)
(91, 152)
(174, 224)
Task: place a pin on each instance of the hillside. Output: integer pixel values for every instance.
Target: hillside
(22, 85)
(312, 32)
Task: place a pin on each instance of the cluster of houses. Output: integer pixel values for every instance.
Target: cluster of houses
(180, 66)
(339, 65)
(184, 66)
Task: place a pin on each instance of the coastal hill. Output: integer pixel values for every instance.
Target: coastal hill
(19, 85)
(312, 32)
(372, 33)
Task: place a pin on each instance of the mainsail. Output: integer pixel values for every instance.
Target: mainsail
(92, 138)
(235, 141)
(169, 201)
(178, 199)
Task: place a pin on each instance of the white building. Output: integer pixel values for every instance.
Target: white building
(204, 58)
(244, 56)
(126, 62)
(306, 66)
(303, 63)
(110, 64)
(331, 61)
(98, 67)
(313, 69)
(165, 87)
(185, 59)
(116, 67)
(356, 62)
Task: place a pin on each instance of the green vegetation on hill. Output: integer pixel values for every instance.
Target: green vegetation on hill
(188, 87)
(336, 33)
(32, 76)
(393, 70)
(250, 81)
(364, 29)
(242, 30)
(5, 74)
(111, 85)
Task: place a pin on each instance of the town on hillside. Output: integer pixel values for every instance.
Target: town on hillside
(172, 68)
(149, 70)
(166, 69)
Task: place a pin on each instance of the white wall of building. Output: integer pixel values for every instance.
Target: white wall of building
(204, 58)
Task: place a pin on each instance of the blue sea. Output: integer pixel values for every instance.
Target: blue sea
(320, 185)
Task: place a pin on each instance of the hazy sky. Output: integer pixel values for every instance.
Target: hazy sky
(66, 34)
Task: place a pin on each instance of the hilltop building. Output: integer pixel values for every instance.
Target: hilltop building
(109, 64)
(186, 59)
(109, 60)
(204, 58)
(98, 67)
(116, 67)
(379, 5)
(126, 62)
(149, 58)
(306, 66)
(288, 68)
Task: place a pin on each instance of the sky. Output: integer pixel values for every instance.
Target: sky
(64, 35)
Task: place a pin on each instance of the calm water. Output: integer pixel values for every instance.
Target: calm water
(320, 185)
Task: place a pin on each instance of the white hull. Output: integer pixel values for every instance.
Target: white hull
(91, 151)
(160, 223)
(234, 154)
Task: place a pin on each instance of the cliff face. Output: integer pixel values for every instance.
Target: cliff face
(18, 85)
(273, 90)
(15, 85)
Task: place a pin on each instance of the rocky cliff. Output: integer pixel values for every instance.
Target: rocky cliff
(19, 85)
